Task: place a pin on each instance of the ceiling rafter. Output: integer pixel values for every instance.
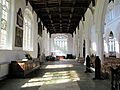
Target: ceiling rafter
(60, 16)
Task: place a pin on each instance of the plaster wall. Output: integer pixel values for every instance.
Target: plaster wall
(16, 53)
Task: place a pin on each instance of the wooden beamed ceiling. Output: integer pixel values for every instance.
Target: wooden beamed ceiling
(60, 16)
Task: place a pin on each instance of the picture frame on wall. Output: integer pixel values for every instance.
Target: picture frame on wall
(19, 18)
(18, 37)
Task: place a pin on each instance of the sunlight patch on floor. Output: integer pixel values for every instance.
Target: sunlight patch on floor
(53, 78)
(58, 66)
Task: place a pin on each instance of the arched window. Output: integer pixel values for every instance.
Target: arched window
(4, 14)
(113, 11)
(60, 43)
(27, 31)
(111, 42)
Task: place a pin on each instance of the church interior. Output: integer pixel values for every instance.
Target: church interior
(60, 44)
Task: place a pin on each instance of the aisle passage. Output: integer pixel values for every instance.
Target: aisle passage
(58, 75)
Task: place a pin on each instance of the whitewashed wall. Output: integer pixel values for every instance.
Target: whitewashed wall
(17, 53)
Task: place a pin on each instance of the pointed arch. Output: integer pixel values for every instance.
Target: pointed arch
(111, 47)
(111, 34)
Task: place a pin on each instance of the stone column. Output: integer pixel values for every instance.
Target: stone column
(106, 42)
(100, 47)
(76, 40)
(100, 11)
(43, 41)
(74, 44)
(81, 39)
(81, 48)
(117, 48)
(87, 43)
(49, 43)
(52, 45)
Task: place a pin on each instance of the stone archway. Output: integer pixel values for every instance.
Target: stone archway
(87, 29)
(100, 12)
(92, 32)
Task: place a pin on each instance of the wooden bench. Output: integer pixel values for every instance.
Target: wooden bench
(22, 68)
(107, 63)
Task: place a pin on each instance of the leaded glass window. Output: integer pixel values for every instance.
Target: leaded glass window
(27, 33)
(111, 42)
(60, 43)
(4, 13)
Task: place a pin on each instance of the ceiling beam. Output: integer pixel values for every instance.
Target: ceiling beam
(38, 7)
(60, 15)
(50, 19)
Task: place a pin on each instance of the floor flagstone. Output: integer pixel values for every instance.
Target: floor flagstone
(57, 75)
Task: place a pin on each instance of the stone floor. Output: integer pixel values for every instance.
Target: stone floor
(58, 75)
